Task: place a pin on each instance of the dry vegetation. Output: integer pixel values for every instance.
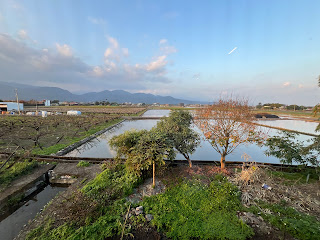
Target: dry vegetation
(32, 133)
(91, 109)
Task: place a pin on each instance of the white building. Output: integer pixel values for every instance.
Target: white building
(47, 103)
(10, 106)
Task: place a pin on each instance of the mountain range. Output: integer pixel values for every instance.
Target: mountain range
(28, 92)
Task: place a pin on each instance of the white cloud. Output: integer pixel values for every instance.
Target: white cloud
(97, 71)
(45, 50)
(22, 34)
(157, 64)
(65, 50)
(286, 84)
(98, 21)
(108, 53)
(114, 43)
(163, 41)
(165, 48)
(168, 49)
(125, 52)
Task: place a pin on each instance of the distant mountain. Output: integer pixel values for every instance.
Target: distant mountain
(27, 92)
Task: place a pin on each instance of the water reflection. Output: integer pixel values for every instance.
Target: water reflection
(99, 147)
(297, 125)
(156, 113)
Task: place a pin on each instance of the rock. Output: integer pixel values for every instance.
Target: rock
(149, 217)
(139, 210)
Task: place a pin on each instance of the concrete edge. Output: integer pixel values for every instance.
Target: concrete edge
(85, 140)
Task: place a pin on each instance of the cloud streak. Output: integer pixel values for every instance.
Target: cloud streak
(232, 50)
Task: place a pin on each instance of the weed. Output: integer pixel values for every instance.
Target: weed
(193, 210)
(83, 164)
(299, 225)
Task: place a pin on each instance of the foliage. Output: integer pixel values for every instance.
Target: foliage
(192, 210)
(177, 128)
(7, 175)
(299, 225)
(288, 149)
(142, 149)
(109, 189)
(83, 164)
(111, 184)
(106, 226)
(227, 124)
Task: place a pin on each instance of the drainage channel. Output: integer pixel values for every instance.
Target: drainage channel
(15, 217)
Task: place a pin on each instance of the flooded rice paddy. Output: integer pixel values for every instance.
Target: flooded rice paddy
(99, 147)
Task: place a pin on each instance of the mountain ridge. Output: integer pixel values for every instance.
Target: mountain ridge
(28, 92)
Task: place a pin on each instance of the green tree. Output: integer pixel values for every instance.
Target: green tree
(177, 128)
(259, 106)
(288, 149)
(143, 149)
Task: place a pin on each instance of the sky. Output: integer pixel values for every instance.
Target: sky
(266, 50)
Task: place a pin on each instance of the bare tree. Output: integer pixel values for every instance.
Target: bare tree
(227, 124)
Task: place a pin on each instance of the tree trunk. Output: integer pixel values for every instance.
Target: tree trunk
(190, 163)
(154, 175)
(223, 161)
(186, 156)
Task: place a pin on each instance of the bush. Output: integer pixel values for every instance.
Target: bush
(111, 184)
(194, 210)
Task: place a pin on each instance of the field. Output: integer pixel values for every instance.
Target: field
(308, 114)
(50, 134)
(110, 110)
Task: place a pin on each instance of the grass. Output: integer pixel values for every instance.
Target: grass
(193, 210)
(83, 164)
(291, 178)
(8, 175)
(57, 147)
(287, 219)
(293, 113)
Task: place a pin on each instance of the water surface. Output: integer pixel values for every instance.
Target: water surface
(99, 147)
(13, 224)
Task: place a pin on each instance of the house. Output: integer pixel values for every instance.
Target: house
(10, 106)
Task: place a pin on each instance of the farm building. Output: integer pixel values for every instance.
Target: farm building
(10, 106)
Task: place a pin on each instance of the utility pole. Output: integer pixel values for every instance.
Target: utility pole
(17, 101)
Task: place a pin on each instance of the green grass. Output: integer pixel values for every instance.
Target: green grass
(83, 164)
(57, 147)
(192, 210)
(17, 170)
(291, 178)
(299, 225)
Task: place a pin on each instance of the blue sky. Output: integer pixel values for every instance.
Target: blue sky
(177, 48)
